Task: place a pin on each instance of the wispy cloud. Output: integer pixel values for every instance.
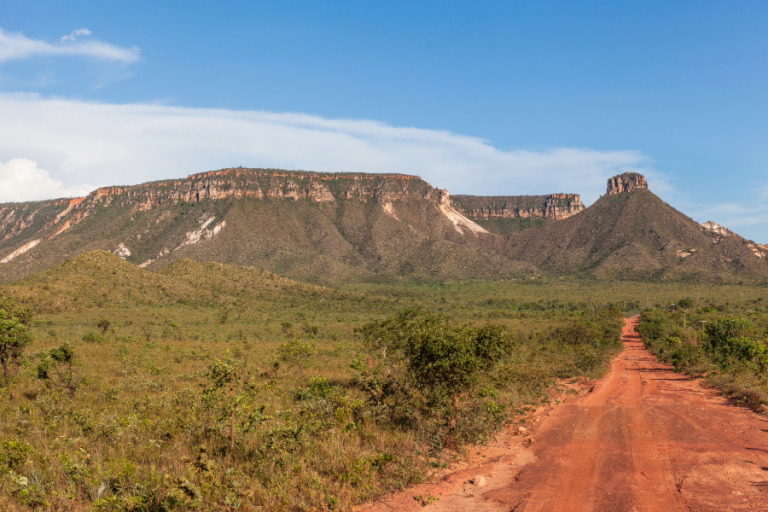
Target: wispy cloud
(748, 218)
(105, 144)
(17, 46)
(764, 193)
(82, 143)
(75, 34)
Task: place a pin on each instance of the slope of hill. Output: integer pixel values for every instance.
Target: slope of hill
(630, 233)
(313, 226)
(99, 279)
(331, 228)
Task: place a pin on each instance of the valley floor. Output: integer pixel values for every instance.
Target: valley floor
(645, 439)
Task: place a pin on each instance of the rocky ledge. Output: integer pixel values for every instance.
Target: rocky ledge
(553, 206)
(627, 182)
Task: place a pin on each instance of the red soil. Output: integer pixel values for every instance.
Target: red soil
(645, 439)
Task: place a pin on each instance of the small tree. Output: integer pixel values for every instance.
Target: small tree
(56, 366)
(296, 353)
(104, 326)
(232, 394)
(723, 329)
(14, 334)
(222, 375)
(431, 358)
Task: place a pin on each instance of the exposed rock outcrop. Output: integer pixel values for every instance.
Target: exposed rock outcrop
(627, 182)
(553, 206)
(459, 221)
(122, 251)
(21, 250)
(719, 233)
(716, 229)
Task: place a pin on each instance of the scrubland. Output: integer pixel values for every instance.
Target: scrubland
(217, 388)
(726, 344)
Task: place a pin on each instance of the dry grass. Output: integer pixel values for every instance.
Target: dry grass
(131, 438)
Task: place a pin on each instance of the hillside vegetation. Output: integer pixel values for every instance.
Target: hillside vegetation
(99, 279)
(636, 236)
(324, 417)
(726, 344)
(327, 228)
(333, 229)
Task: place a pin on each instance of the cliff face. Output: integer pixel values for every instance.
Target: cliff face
(627, 182)
(553, 206)
(349, 227)
(300, 223)
(57, 216)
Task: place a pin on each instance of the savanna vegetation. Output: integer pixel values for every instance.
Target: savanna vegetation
(213, 387)
(725, 343)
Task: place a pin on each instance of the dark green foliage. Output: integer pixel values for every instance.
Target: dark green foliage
(723, 329)
(441, 358)
(685, 303)
(14, 334)
(731, 350)
(56, 366)
(230, 395)
(579, 333)
(103, 325)
(423, 372)
(92, 337)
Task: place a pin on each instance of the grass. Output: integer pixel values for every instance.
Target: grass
(685, 339)
(142, 433)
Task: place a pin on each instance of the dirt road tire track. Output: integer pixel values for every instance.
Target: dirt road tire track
(645, 439)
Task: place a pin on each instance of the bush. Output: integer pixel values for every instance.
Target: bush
(721, 330)
(56, 366)
(296, 353)
(92, 337)
(578, 333)
(104, 326)
(14, 334)
(429, 366)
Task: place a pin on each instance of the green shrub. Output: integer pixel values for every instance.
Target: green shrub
(296, 353)
(14, 334)
(56, 366)
(723, 329)
(92, 337)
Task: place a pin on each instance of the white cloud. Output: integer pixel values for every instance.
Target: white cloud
(17, 46)
(749, 218)
(737, 215)
(108, 144)
(22, 180)
(74, 35)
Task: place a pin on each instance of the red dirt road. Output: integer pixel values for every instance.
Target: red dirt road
(645, 439)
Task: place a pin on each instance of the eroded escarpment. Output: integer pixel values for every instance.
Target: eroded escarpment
(296, 211)
(626, 182)
(553, 206)
(64, 214)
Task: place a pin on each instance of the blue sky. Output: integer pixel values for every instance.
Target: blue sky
(479, 97)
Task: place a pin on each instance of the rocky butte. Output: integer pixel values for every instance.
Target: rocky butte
(626, 182)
